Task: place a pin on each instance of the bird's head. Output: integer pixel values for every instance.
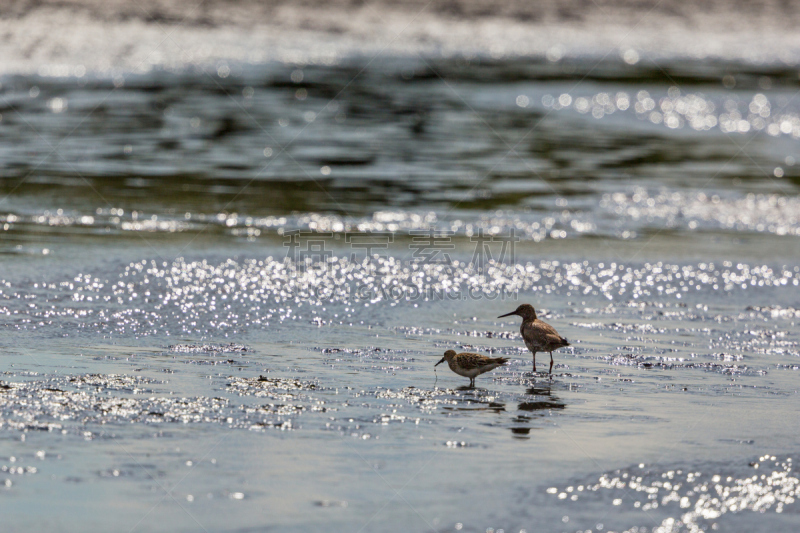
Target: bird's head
(526, 311)
(448, 356)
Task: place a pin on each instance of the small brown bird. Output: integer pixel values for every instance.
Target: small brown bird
(538, 336)
(470, 365)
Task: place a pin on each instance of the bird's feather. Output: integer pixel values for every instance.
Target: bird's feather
(542, 336)
(471, 361)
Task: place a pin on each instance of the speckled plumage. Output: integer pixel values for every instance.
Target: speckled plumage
(539, 336)
(470, 365)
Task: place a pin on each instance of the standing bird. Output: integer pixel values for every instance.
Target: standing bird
(538, 336)
(470, 365)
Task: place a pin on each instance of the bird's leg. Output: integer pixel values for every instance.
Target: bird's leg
(472, 382)
(551, 363)
(534, 362)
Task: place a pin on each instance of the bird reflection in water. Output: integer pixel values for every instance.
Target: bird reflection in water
(474, 401)
(544, 402)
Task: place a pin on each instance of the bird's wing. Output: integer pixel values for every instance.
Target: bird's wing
(541, 334)
(471, 361)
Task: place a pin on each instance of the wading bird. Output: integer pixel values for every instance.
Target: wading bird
(470, 365)
(538, 336)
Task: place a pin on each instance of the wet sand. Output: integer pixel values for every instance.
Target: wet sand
(659, 408)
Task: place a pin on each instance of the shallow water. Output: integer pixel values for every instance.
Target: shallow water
(192, 336)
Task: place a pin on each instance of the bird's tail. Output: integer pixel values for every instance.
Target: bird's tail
(565, 341)
(500, 360)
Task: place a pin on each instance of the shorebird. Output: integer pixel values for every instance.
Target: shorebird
(538, 336)
(470, 365)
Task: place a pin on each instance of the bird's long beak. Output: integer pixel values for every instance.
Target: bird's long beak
(508, 314)
(442, 360)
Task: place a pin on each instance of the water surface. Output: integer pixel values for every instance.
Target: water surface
(193, 336)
